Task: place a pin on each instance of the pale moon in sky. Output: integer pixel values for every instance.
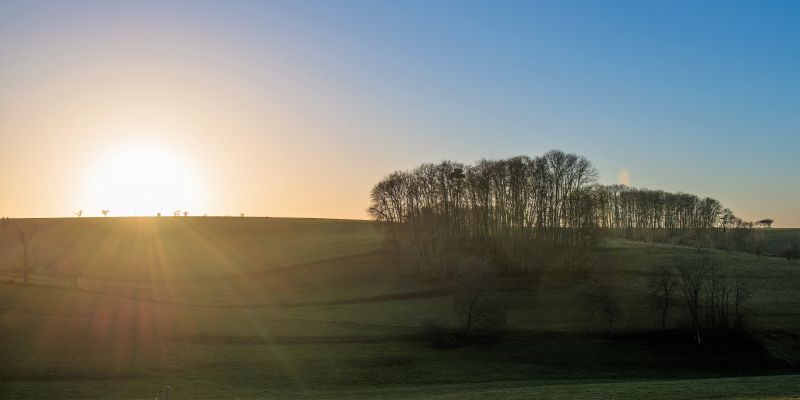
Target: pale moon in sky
(624, 177)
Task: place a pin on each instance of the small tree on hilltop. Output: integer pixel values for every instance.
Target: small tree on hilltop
(766, 222)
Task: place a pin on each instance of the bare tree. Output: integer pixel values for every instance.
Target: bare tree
(602, 300)
(71, 265)
(105, 212)
(474, 302)
(79, 213)
(741, 295)
(25, 238)
(185, 213)
(766, 222)
(757, 242)
(789, 251)
(3, 229)
(662, 284)
(691, 282)
(176, 213)
(717, 290)
(513, 209)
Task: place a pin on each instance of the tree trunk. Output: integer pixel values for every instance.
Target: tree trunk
(25, 266)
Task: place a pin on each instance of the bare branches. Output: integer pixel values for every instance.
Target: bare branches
(662, 283)
(515, 209)
(602, 300)
(25, 237)
(474, 302)
(716, 303)
(503, 207)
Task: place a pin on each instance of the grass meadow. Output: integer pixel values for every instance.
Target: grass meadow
(304, 308)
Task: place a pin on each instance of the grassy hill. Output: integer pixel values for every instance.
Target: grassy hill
(780, 238)
(305, 308)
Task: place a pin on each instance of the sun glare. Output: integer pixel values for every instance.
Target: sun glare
(143, 180)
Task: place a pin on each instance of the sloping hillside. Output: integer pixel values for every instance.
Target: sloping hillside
(248, 308)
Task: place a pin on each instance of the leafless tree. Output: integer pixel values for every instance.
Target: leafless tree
(742, 296)
(70, 264)
(663, 283)
(718, 291)
(757, 242)
(691, 282)
(513, 209)
(789, 251)
(79, 213)
(602, 300)
(185, 213)
(176, 213)
(474, 302)
(25, 238)
(3, 229)
(105, 212)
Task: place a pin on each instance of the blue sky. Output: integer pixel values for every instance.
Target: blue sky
(701, 96)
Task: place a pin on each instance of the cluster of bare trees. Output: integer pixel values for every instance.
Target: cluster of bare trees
(506, 208)
(515, 210)
(715, 303)
(676, 218)
(65, 263)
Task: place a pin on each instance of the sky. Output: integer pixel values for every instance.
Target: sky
(287, 108)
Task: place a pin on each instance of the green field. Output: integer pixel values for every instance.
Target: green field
(304, 308)
(778, 239)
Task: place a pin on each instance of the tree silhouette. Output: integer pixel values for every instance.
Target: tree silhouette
(766, 222)
(789, 251)
(474, 303)
(692, 281)
(79, 213)
(602, 300)
(70, 266)
(25, 237)
(662, 284)
(518, 208)
(105, 212)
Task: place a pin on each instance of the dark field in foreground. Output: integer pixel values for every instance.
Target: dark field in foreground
(250, 308)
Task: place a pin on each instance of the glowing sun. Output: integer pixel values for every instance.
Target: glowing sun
(143, 180)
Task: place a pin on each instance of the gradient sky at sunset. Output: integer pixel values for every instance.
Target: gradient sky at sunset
(296, 108)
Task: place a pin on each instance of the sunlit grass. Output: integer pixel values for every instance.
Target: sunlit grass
(244, 307)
